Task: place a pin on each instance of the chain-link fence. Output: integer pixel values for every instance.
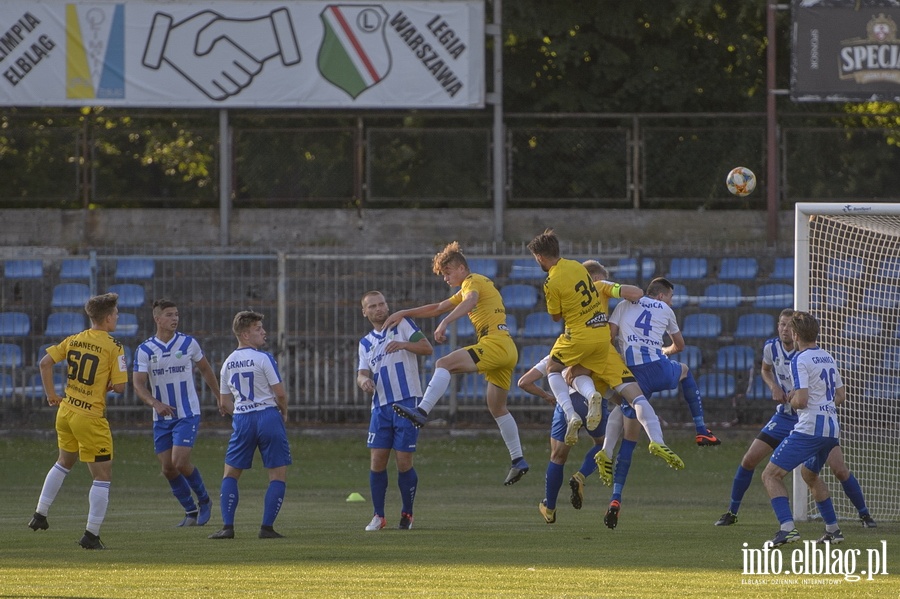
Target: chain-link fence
(605, 161)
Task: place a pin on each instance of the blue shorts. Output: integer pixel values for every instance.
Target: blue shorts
(177, 431)
(800, 448)
(777, 429)
(263, 429)
(388, 430)
(559, 426)
(660, 375)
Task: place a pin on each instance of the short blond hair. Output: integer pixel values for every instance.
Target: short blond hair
(100, 306)
(244, 320)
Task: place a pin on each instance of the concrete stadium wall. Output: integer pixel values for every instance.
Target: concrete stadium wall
(377, 231)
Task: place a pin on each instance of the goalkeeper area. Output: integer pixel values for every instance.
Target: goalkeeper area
(472, 536)
(847, 274)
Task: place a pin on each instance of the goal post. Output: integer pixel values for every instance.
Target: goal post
(847, 274)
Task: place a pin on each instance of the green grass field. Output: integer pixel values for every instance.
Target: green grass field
(472, 537)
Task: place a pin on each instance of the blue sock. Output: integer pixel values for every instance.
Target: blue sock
(228, 500)
(782, 508)
(742, 480)
(408, 482)
(826, 508)
(854, 492)
(273, 501)
(553, 483)
(692, 397)
(196, 482)
(182, 493)
(589, 466)
(378, 483)
(623, 463)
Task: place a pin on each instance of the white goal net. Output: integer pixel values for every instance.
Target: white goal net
(847, 274)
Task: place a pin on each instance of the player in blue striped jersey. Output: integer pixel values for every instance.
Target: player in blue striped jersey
(388, 370)
(164, 380)
(817, 391)
(251, 391)
(776, 372)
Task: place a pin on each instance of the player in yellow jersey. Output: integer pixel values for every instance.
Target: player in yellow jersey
(95, 364)
(493, 354)
(573, 297)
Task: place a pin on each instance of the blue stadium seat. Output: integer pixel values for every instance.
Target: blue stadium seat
(721, 295)
(847, 358)
(127, 325)
(866, 326)
(7, 386)
(532, 354)
(881, 295)
(701, 326)
(735, 358)
(472, 386)
(540, 324)
(774, 295)
(845, 268)
(131, 295)
(687, 268)
(63, 324)
(627, 269)
(679, 295)
(784, 269)
(10, 355)
(716, 385)
(439, 352)
(884, 388)
(835, 297)
(759, 389)
(755, 324)
(464, 328)
(23, 269)
(75, 269)
(70, 295)
(691, 355)
(889, 269)
(526, 269)
(137, 268)
(891, 359)
(14, 324)
(34, 388)
(519, 296)
(738, 268)
(512, 324)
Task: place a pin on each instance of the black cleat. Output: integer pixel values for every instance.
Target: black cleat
(707, 440)
(516, 472)
(91, 541)
(611, 519)
(267, 532)
(406, 521)
(225, 533)
(867, 521)
(38, 522)
(727, 519)
(415, 415)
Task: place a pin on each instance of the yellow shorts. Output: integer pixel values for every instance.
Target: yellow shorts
(599, 356)
(496, 357)
(89, 437)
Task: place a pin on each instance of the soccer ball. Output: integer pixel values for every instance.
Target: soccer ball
(741, 181)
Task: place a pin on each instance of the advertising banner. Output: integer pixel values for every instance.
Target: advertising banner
(402, 54)
(845, 51)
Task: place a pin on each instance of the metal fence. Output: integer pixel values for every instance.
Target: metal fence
(313, 316)
(413, 160)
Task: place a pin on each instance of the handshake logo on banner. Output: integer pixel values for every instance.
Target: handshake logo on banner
(218, 55)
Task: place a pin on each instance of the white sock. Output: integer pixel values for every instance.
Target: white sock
(614, 428)
(52, 484)
(561, 392)
(98, 500)
(788, 526)
(510, 433)
(585, 386)
(646, 415)
(440, 380)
